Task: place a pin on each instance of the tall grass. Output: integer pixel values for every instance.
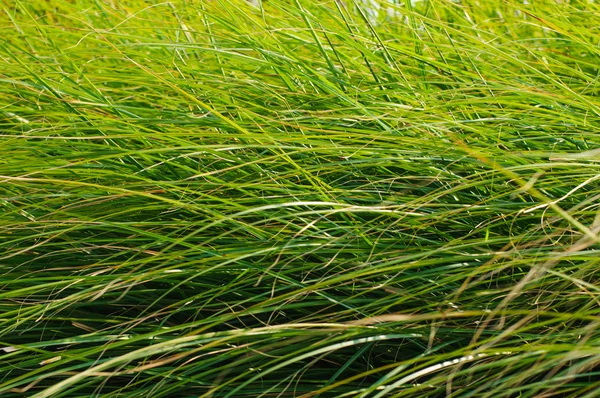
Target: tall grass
(213, 199)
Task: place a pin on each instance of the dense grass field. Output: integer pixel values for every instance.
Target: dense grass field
(299, 198)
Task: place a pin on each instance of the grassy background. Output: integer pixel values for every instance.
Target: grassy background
(205, 198)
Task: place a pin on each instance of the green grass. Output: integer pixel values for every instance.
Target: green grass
(210, 199)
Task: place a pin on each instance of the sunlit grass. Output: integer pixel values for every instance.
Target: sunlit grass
(211, 198)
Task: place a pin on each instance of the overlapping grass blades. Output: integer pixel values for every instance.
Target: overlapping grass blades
(299, 199)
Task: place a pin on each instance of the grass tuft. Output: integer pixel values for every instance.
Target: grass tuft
(299, 198)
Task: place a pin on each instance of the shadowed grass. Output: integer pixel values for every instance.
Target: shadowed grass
(212, 199)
